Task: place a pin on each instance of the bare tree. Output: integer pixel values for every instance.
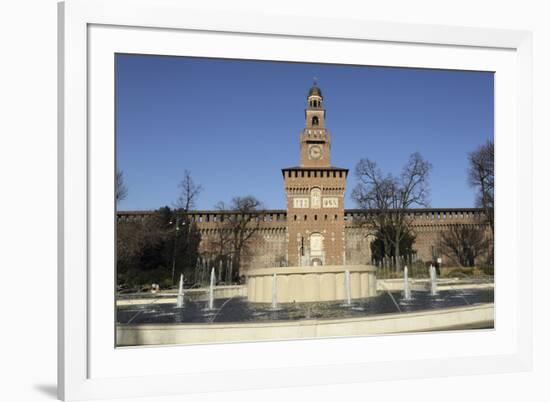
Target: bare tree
(464, 244)
(189, 192)
(388, 197)
(221, 244)
(185, 231)
(481, 176)
(121, 191)
(239, 227)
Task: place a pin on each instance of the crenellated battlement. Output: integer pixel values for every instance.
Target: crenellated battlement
(277, 218)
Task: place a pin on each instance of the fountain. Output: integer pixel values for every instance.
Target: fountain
(391, 297)
(406, 285)
(433, 281)
(211, 292)
(311, 284)
(179, 303)
(347, 288)
(297, 302)
(274, 293)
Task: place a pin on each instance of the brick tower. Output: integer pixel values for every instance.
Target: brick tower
(315, 194)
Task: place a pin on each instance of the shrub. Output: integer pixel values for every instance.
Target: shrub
(166, 283)
(458, 272)
(487, 269)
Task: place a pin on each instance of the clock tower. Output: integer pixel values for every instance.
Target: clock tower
(315, 138)
(315, 194)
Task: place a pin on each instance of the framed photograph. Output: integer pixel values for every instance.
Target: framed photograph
(248, 196)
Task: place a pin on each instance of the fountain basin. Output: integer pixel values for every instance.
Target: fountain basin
(310, 284)
(465, 317)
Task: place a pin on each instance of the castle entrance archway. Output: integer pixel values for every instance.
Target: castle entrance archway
(317, 249)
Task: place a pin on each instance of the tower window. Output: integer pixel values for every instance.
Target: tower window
(316, 197)
(315, 121)
(305, 217)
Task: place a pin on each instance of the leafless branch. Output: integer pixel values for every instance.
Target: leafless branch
(463, 244)
(121, 191)
(239, 228)
(481, 176)
(189, 192)
(390, 196)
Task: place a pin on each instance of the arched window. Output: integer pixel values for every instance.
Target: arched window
(316, 197)
(315, 121)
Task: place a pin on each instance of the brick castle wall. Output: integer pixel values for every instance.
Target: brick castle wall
(269, 245)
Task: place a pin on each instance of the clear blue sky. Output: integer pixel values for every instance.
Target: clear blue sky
(234, 124)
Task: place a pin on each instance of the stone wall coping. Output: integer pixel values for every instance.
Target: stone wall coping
(284, 211)
(322, 269)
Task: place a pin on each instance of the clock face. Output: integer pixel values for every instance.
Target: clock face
(315, 152)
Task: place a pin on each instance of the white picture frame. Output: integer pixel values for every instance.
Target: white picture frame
(90, 367)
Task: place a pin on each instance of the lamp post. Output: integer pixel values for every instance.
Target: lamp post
(174, 255)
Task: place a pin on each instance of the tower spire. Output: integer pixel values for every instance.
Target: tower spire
(315, 138)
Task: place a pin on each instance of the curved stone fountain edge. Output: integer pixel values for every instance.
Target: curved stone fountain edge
(420, 321)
